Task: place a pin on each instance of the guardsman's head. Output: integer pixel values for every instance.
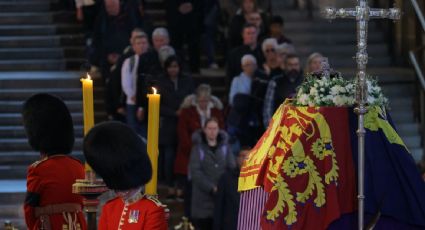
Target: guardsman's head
(118, 155)
(48, 124)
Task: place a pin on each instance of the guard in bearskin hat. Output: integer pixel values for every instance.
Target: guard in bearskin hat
(50, 203)
(118, 155)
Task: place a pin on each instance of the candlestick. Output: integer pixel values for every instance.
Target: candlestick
(152, 148)
(89, 187)
(88, 109)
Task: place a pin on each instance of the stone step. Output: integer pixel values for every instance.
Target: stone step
(31, 53)
(12, 197)
(41, 41)
(12, 210)
(25, 18)
(12, 65)
(64, 93)
(322, 25)
(37, 18)
(398, 90)
(412, 142)
(41, 53)
(417, 154)
(41, 64)
(344, 62)
(9, 131)
(73, 106)
(17, 158)
(15, 119)
(396, 103)
(338, 50)
(332, 38)
(21, 144)
(12, 172)
(402, 117)
(39, 30)
(408, 129)
(386, 74)
(43, 80)
(28, 6)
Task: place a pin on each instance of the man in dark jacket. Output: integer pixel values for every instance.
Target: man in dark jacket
(250, 46)
(185, 21)
(282, 87)
(113, 27)
(226, 207)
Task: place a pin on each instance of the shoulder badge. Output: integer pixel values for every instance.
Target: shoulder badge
(35, 164)
(155, 200)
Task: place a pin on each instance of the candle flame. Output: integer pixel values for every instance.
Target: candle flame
(88, 76)
(154, 90)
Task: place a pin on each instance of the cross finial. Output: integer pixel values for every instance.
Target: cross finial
(326, 69)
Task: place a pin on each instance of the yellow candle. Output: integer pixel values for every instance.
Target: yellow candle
(88, 109)
(153, 131)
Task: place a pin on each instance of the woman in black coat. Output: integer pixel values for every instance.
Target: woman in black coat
(174, 86)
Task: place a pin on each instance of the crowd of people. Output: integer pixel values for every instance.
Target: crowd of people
(203, 138)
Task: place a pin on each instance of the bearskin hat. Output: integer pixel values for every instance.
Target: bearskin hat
(118, 155)
(48, 124)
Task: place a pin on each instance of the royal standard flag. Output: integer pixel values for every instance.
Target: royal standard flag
(305, 162)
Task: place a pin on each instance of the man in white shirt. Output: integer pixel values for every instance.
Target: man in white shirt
(129, 75)
(242, 83)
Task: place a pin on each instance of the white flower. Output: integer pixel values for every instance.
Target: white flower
(303, 99)
(313, 91)
(334, 90)
(338, 101)
(322, 89)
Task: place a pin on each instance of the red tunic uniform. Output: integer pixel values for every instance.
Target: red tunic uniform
(49, 190)
(140, 214)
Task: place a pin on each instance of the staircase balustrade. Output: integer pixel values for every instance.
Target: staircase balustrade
(416, 62)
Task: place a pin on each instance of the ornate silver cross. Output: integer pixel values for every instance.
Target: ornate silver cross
(326, 69)
(362, 13)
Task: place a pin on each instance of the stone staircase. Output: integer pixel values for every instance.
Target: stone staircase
(38, 35)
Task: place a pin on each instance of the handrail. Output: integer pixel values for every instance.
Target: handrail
(419, 13)
(417, 68)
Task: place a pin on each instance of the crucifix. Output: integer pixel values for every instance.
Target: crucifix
(362, 13)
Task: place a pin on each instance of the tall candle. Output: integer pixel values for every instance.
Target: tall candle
(153, 131)
(88, 108)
